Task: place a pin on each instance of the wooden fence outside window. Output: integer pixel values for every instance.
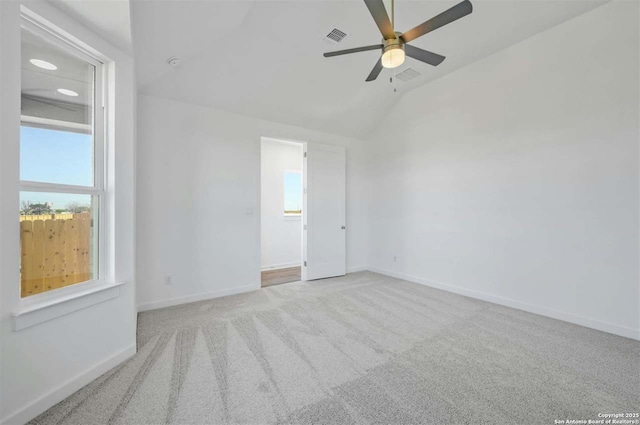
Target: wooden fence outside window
(55, 251)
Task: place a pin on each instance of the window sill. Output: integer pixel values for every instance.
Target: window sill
(33, 312)
(292, 217)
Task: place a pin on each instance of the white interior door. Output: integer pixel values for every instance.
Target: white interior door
(323, 212)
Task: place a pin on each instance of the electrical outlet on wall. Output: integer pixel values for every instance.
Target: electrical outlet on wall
(168, 279)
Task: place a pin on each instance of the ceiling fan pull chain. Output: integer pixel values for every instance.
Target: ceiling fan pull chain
(392, 80)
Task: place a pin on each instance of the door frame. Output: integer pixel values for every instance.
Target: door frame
(288, 141)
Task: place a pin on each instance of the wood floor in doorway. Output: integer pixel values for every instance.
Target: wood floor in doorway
(278, 276)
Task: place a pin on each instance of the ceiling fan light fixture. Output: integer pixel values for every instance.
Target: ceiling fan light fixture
(393, 56)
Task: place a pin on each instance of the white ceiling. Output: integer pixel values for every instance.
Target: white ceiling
(107, 18)
(264, 58)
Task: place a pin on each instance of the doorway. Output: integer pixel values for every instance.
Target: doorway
(281, 211)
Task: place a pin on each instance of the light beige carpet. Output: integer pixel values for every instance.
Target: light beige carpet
(359, 349)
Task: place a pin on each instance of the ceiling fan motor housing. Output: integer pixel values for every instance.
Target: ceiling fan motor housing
(393, 43)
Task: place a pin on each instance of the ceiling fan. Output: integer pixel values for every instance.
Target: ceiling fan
(394, 44)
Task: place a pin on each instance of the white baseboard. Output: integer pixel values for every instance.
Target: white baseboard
(215, 294)
(355, 269)
(197, 297)
(543, 311)
(72, 385)
(280, 266)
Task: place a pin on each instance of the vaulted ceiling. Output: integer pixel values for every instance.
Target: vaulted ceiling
(110, 19)
(264, 58)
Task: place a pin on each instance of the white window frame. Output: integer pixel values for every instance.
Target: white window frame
(100, 279)
(284, 200)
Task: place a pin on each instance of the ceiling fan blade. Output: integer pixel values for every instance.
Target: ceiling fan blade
(354, 50)
(458, 11)
(375, 71)
(423, 55)
(379, 13)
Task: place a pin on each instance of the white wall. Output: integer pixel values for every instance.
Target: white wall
(281, 241)
(43, 364)
(516, 179)
(198, 177)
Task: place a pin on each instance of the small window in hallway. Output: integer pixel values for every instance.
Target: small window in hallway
(292, 193)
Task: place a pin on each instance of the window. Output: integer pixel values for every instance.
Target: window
(292, 193)
(61, 164)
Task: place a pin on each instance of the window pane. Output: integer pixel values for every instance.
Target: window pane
(43, 151)
(57, 97)
(58, 240)
(292, 192)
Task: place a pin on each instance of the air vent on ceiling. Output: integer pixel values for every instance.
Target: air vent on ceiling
(407, 74)
(335, 36)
